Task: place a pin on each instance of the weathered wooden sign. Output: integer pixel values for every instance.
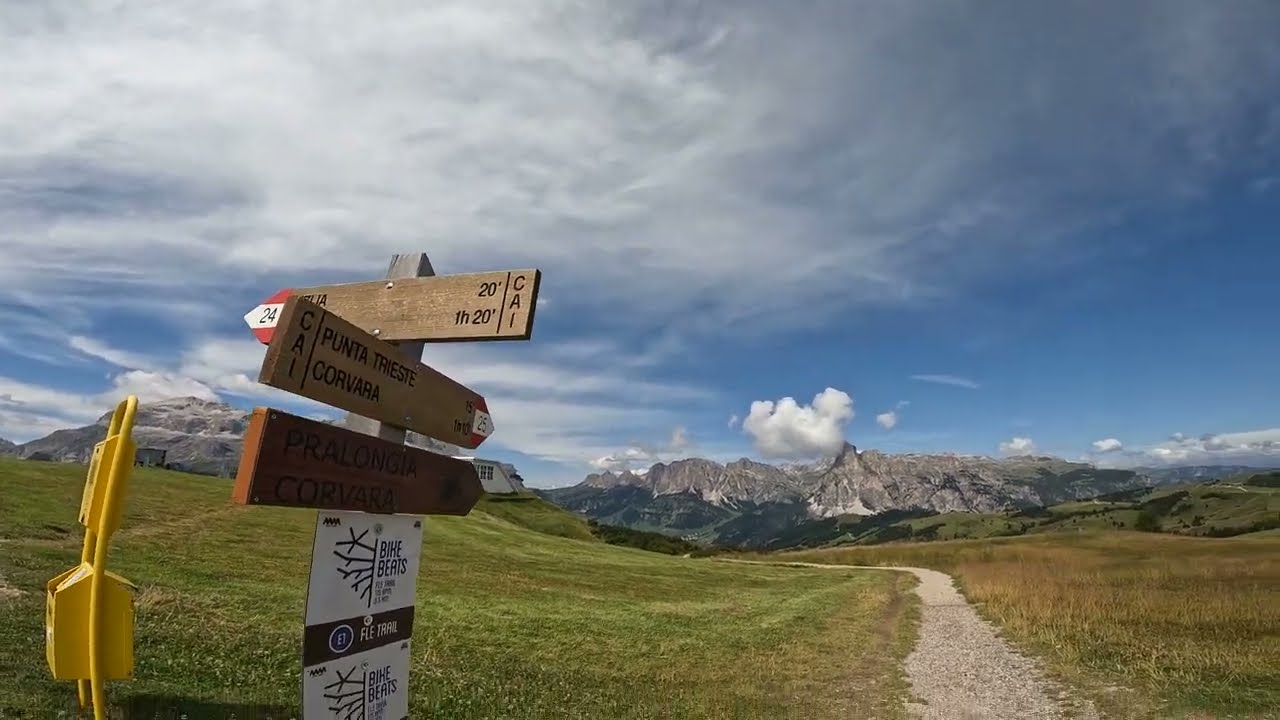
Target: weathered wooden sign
(359, 621)
(357, 347)
(296, 462)
(319, 355)
(475, 306)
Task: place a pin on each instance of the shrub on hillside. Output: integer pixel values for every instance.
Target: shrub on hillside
(1271, 479)
(642, 540)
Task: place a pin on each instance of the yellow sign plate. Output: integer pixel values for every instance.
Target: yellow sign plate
(95, 485)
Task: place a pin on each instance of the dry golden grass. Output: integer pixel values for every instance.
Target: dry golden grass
(1148, 625)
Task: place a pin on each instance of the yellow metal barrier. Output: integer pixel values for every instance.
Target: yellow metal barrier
(89, 612)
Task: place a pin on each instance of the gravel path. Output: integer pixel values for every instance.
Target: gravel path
(961, 670)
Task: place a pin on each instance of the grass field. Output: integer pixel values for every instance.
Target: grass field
(520, 614)
(1149, 625)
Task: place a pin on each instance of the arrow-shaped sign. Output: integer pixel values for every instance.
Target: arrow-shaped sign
(263, 319)
(321, 356)
(474, 306)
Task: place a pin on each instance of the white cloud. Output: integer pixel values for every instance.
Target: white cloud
(29, 411)
(1259, 448)
(117, 357)
(887, 420)
(1107, 445)
(1018, 446)
(786, 429)
(734, 420)
(640, 456)
(953, 380)
(629, 153)
(559, 403)
(153, 386)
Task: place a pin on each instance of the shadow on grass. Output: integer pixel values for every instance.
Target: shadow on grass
(169, 707)
(164, 707)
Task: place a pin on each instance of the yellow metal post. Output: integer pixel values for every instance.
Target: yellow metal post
(120, 467)
(83, 687)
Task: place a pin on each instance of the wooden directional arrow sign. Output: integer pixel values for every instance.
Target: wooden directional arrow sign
(476, 306)
(296, 462)
(321, 356)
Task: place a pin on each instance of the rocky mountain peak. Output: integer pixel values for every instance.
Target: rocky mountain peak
(870, 481)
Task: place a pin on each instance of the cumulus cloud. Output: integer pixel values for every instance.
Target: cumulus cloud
(1018, 446)
(887, 420)
(154, 386)
(1259, 448)
(640, 456)
(1107, 445)
(953, 380)
(786, 429)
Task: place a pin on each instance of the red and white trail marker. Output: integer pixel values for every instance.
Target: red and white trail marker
(482, 423)
(262, 319)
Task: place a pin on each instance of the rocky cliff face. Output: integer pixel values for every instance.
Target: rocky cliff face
(704, 499)
(741, 480)
(198, 435)
(864, 483)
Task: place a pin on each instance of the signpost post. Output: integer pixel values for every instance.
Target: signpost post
(359, 347)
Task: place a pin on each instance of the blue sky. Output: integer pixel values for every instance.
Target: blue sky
(1063, 220)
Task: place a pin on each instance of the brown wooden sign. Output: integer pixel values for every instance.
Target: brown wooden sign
(296, 462)
(475, 306)
(319, 355)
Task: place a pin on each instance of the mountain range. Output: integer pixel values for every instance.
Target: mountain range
(749, 503)
(199, 436)
(745, 502)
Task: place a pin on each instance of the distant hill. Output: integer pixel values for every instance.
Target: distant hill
(1213, 509)
(1194, 473)
(199, 436)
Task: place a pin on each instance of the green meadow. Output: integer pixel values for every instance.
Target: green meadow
(521, 613)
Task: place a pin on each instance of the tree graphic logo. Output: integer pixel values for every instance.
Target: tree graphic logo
(358, 556)
(346, 694)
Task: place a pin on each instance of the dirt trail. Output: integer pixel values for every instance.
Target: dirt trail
(960, 669)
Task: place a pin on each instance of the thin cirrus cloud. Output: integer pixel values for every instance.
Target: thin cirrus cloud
(953, 380)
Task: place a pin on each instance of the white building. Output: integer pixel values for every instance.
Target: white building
(497, 478)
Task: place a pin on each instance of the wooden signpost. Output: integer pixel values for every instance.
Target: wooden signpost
(296, 462)
(476, 306)
(358, 347)
(319, 355)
